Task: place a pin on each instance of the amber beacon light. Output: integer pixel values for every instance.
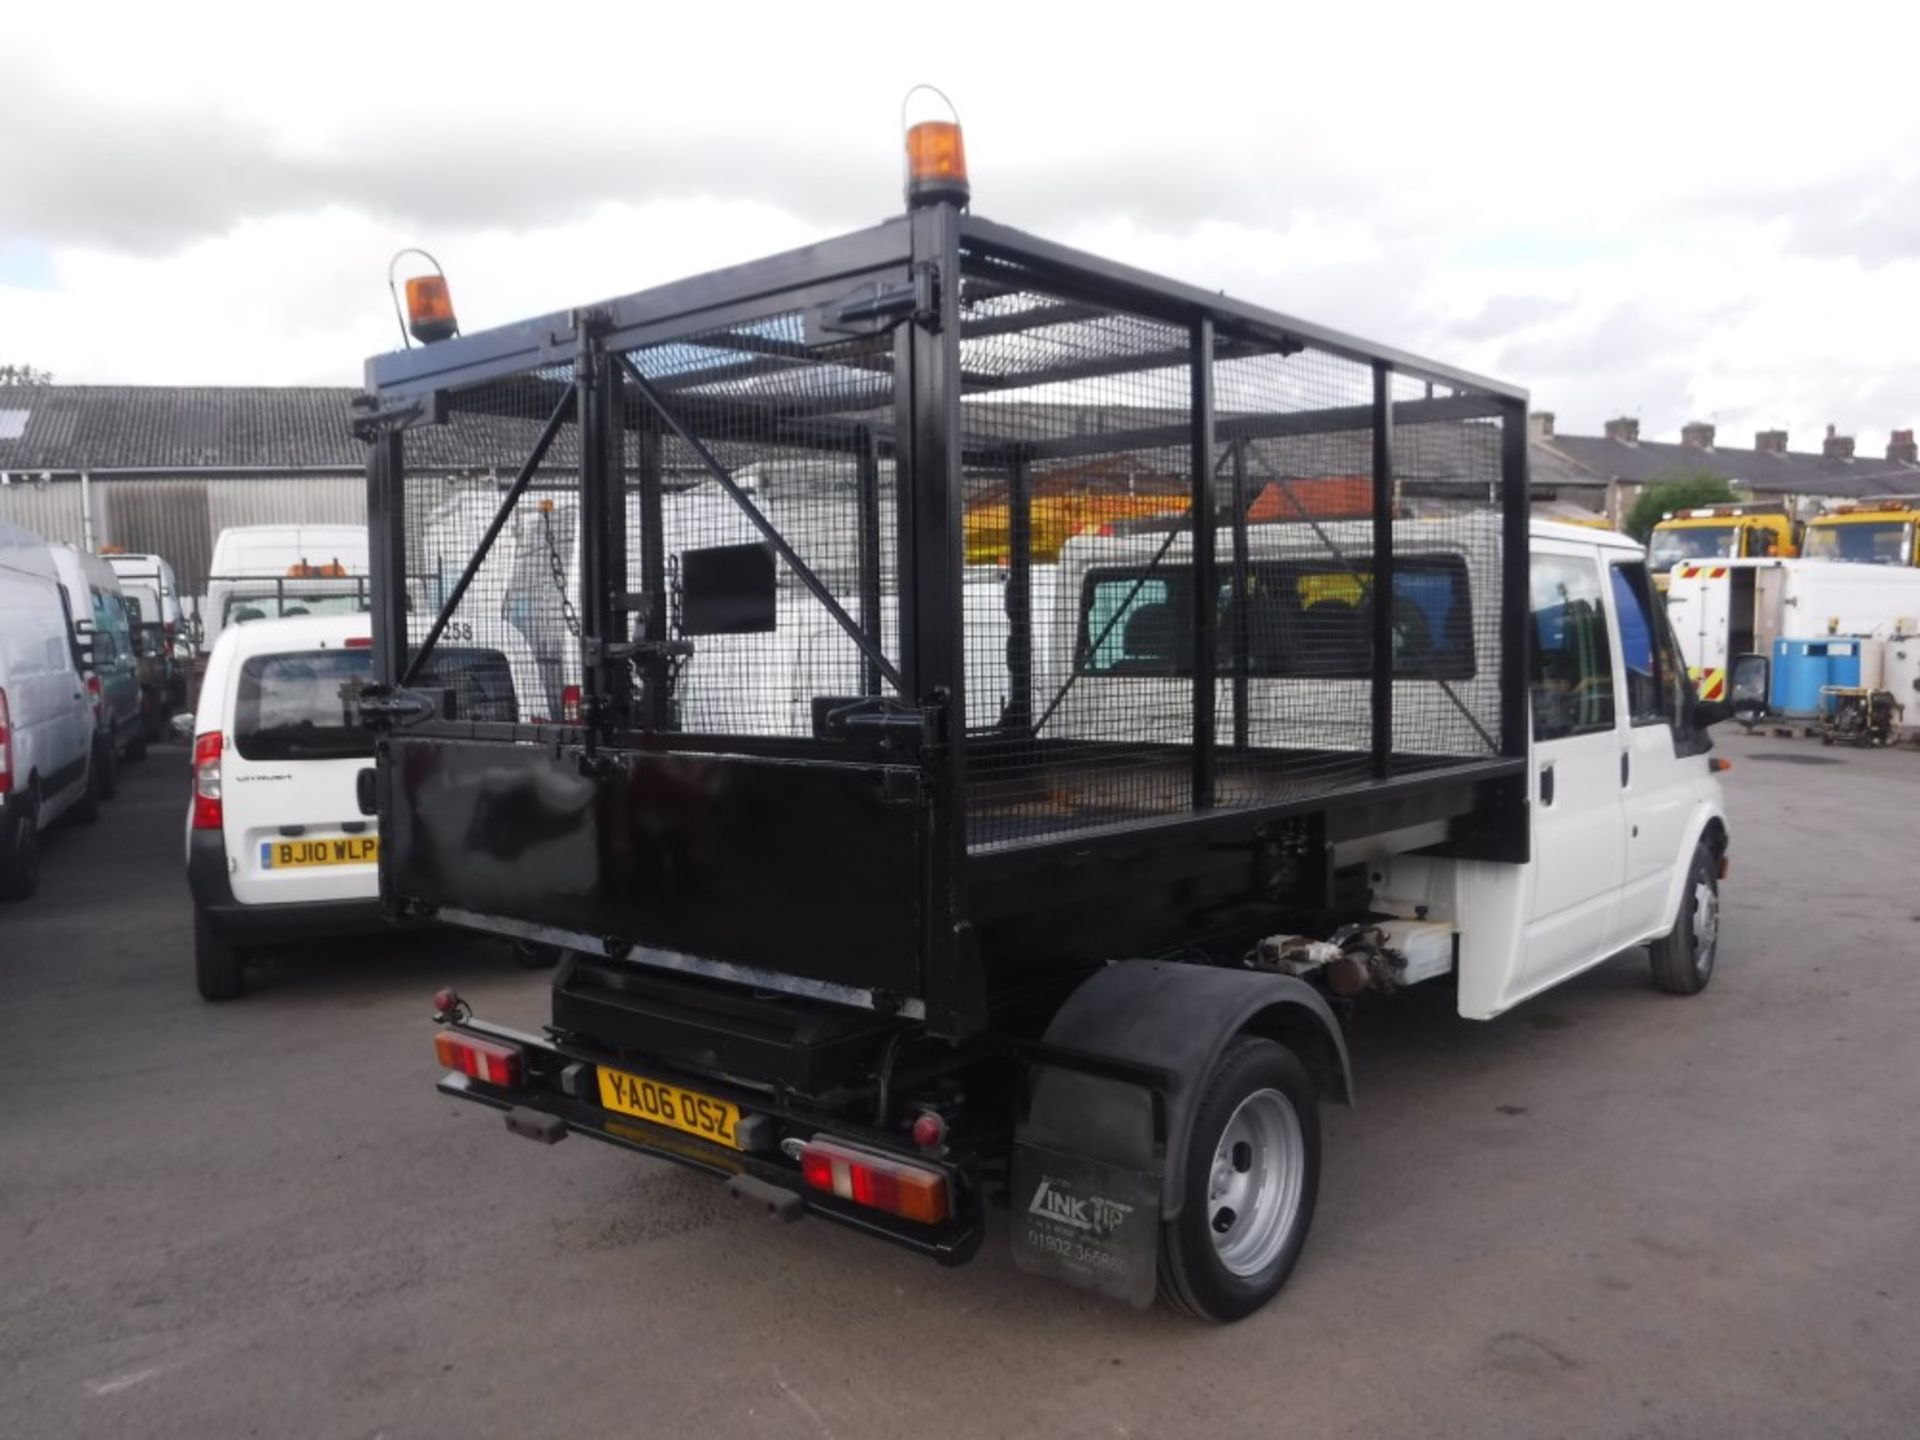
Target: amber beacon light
(429, 315)
(936, 156)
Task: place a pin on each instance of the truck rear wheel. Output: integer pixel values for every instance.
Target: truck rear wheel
(1683, 957)
(219, 966)
(1252, 1177)
(533, 955)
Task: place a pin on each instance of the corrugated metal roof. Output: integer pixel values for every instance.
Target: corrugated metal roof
(178, 427)
(1794, 473)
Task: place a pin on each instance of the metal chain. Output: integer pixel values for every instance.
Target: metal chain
(567, 613)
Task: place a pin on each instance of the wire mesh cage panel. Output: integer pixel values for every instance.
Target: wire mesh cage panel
(776, 550)
(1145, 618)
(521, 600)
(1195, 562)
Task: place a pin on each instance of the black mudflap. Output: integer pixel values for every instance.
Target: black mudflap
(1092, 1225)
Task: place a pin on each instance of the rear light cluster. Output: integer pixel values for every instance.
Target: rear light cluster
(880, 1182)
(6, 746)
(93, 693)
(570, 704)
(486, 1060)
(207, 811)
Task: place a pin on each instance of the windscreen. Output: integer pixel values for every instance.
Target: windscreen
(305, 705)
(1885, 542)
(1698, 542)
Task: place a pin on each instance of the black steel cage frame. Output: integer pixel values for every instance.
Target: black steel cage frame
(904, 277)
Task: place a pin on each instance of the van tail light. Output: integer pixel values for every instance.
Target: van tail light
(913, 1192)
(207, 810)
(570, 705)
(93, 692)
(6, 747)
(486, 1060)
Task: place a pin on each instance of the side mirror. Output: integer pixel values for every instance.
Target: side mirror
(181, 727)
(1748, 688)
(1708, 713)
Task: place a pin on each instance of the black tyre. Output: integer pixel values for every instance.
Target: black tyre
(219, 966)
(20, 854)
(1252, 1178)
(1683, 958)
(86, 809)
(106, 766)
(532, 955)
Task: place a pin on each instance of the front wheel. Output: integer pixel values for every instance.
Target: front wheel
(1252, 1177)
(106, 768)
(219, 966)
(20, 855)
(1683, 958)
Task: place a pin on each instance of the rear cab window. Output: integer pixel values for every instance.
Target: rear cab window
(1304, 619)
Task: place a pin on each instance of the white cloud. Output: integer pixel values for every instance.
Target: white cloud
(1677, 210)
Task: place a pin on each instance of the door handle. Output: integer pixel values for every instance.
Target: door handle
(1546, 784)
(1626, 767)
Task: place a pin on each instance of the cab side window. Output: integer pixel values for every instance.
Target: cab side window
(1646, 688)
(1571, 664)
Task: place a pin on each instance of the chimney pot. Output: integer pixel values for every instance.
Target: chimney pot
(1836, 446)
(1901, 449)
(1540, 425)
(1771, 442)
(1697, 436)
(1625, 429)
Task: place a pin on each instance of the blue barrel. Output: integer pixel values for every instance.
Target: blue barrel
(1800, 668)
(1843, 661)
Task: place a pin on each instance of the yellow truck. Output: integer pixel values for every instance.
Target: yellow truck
(1720, 532)
(1882, 531)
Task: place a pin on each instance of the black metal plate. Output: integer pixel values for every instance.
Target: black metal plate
(811, 869)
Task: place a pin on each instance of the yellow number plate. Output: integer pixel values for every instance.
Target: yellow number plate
(326, 850)
(671, 1106)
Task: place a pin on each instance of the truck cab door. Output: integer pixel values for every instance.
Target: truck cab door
(1578, 820)
(1658, 782)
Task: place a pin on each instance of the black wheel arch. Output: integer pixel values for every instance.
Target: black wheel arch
(1177, 1019)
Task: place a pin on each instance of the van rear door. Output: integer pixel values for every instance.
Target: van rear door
(293, 827)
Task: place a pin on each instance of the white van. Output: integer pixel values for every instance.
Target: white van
(109, 663)
(148, 582)
(277, 847)
(46, 719)
(262, 572)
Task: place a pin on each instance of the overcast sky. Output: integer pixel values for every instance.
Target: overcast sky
(1674, 211)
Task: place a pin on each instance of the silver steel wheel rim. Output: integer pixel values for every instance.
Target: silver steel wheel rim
(1255, 1184)
(1706, 925)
